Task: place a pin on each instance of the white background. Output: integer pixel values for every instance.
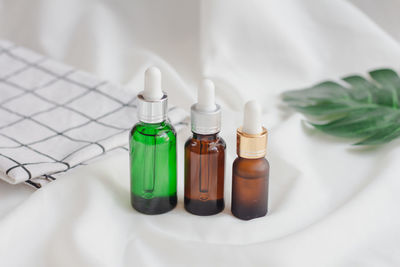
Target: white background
(330, 204)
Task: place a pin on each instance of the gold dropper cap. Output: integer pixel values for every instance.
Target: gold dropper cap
(251, 146)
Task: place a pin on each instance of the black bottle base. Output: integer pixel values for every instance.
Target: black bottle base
(204, 208)
(248, 213)
(153, 206)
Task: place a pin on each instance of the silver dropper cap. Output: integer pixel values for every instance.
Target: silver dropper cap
(205, 114)
(152, 101)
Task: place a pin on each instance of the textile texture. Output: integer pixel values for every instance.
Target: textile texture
(55, 118)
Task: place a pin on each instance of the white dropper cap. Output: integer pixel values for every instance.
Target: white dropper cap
(206, 96)
(252, 118)
(152, 101)
(152, 84)
(206, 114)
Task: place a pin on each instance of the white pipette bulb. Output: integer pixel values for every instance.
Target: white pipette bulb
(152, 84)
(252, 118)
(206, 96)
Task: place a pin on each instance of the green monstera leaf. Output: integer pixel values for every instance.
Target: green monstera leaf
(363, 108)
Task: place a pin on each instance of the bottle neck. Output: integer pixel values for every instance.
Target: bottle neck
(205, 137)
(153, 125)
(246, 158)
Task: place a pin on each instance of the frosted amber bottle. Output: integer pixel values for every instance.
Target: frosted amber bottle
(204, 174)
(250, 171)
(250, 188)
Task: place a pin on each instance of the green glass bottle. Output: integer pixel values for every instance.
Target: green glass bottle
(153, 151)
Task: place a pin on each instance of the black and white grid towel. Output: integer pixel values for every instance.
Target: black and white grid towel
(54, 117)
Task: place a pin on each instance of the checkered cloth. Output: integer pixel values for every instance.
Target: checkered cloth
(54, 118)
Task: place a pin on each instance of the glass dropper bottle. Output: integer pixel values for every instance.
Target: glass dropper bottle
(250, 172)
(205, 156)
(153, 151)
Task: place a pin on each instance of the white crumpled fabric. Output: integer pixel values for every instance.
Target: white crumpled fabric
(331, 204)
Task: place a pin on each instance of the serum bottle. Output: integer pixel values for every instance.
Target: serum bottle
(205, 156)
(250, 171)
(153, 151)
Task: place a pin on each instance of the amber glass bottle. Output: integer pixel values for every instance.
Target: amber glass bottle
(204, 174)
(205, 156)
(250, 188)
(250, 171)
